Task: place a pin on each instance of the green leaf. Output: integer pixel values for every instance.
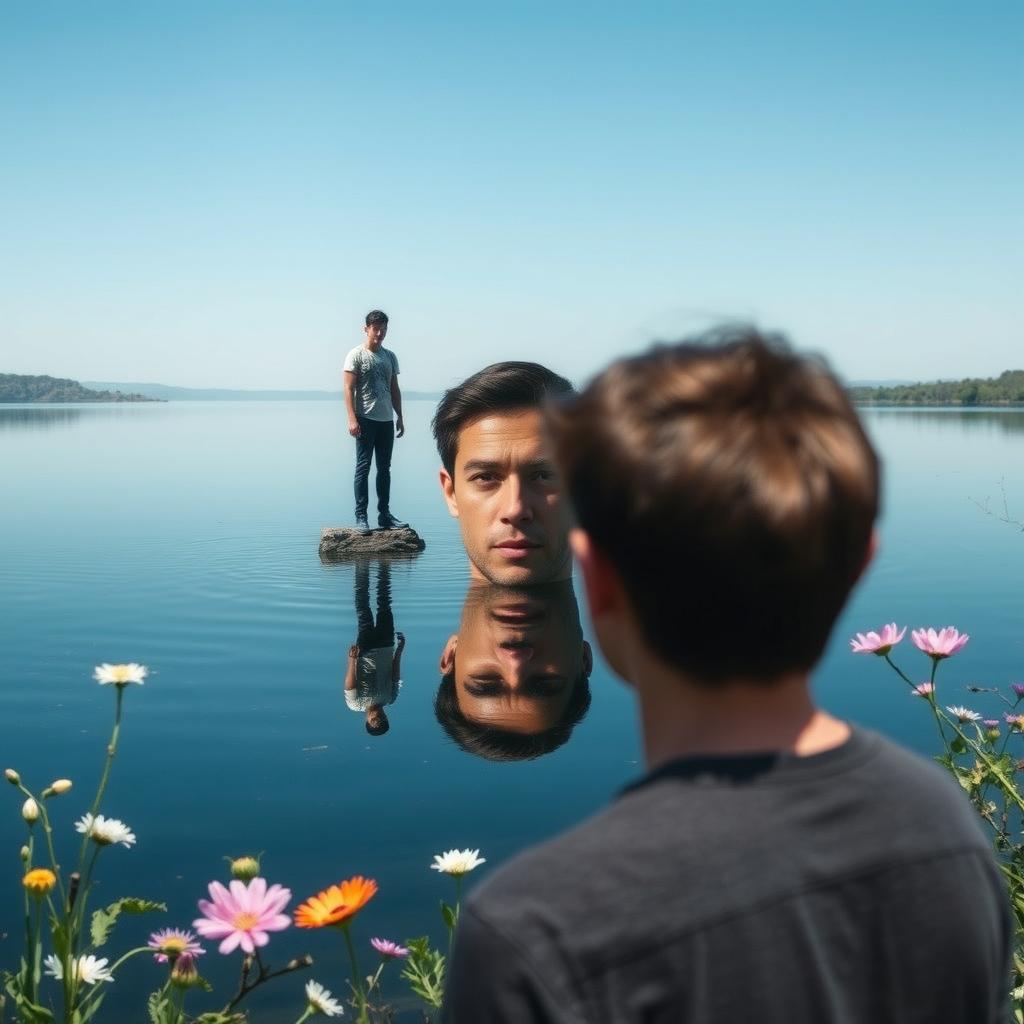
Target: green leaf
(31, 1013)
(157, 1006)
(447, 915)
(88, 1011)
(104, 920)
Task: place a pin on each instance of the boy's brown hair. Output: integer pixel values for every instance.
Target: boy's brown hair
(732, 486)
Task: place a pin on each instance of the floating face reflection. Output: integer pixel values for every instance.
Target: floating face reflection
(506, 495)
(515, 676)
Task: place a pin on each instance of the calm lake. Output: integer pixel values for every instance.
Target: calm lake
(184, 536)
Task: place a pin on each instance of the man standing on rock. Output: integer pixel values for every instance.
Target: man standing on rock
(374, 404)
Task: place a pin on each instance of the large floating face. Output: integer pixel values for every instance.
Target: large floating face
(508, 500)
(516, 674)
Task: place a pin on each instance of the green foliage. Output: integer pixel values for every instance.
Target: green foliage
(425, 970)
(15, 387)
(26, 1010)
(982, 761)
(1006, 389)
(104, 920)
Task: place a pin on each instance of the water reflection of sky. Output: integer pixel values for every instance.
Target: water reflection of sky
(184, 535)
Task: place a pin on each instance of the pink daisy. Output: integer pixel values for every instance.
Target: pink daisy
(941, 644)
(388, 949)
(923, 689)
(878, 643)
(172, 942)
(242, 914)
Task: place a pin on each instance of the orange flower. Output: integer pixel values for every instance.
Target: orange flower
(336, 904)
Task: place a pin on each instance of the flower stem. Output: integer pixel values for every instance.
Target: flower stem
(357, 980)
(105, 777)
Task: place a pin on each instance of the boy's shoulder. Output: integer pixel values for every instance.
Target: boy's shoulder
(694, 828)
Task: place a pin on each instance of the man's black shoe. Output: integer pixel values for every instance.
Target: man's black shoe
(387, 521)
(362, 526)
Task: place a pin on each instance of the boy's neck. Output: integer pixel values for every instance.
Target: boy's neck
(681, 718)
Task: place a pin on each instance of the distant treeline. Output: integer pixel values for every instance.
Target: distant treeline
(1006, 389)
(15, 387)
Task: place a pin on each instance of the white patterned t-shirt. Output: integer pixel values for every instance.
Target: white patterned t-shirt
(374, 372)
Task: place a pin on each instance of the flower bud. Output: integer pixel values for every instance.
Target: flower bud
(60, 786)
(12, 776)
(245, 868)
(25, 854)
(185, 974)
(30, 811)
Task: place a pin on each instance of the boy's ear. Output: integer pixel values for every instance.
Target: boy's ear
(447, 662)
(448, 490)
(600, 580)
(869, 555)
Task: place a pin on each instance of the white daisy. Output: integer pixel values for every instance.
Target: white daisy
(320, 1000)
(963, 714)
(457, 862)
(87, 968)
(104, 831)
(120, 675)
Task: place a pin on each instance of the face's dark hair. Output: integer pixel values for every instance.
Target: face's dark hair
(502, 744)
(380, 728)
(500, 387)
(376, 316)
(732, 487)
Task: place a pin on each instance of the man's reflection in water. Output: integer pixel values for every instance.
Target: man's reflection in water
(373, 677)
(516, 675)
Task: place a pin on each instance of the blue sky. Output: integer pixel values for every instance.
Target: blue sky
(213, 194)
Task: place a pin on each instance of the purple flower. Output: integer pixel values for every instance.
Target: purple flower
(171, 943)
(991, 723)
(1015, 722)
(1018, 689)
(388, 949)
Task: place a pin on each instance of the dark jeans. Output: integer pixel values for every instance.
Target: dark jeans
(376, 440)
(381, 633)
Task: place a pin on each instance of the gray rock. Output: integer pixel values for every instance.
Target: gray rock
(341, 542)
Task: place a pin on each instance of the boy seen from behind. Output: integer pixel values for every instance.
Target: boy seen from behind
(775, 863)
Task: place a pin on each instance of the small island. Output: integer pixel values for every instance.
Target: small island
(1006, 389)
(15, 387)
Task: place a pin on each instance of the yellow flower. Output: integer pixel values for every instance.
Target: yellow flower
(39, 881)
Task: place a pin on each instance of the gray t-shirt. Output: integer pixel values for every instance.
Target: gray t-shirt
(374, 371)
(853, 886)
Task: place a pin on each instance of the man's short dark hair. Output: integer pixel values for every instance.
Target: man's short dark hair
(380, 728)
(731, 485)
(500, 387)
(376, 316)
(503, 744)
